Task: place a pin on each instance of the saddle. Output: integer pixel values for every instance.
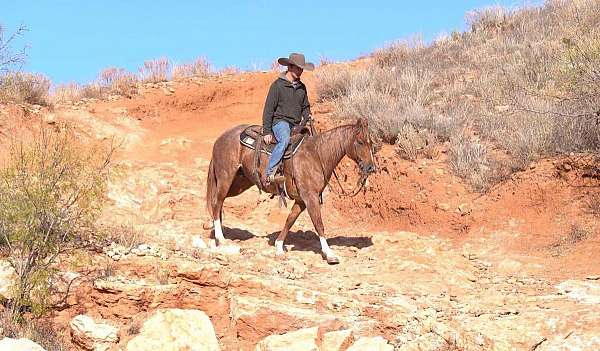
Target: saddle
(250, 135)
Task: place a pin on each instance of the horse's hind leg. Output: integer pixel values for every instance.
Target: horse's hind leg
(220, 181)
(297, 209)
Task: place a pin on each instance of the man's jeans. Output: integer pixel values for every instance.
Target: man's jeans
(281, 130)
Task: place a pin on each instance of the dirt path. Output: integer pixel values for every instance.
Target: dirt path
(425, 263)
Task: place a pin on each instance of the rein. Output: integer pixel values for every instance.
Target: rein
(360, 184)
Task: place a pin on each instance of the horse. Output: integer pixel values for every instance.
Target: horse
(232, 171)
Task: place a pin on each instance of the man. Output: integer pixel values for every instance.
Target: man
(286, 106)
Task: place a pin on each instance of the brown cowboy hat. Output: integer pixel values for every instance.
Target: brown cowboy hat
(297, 60)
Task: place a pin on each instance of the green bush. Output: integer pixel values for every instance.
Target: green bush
(51, 191)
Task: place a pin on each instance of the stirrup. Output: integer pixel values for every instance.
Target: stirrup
(273, 179)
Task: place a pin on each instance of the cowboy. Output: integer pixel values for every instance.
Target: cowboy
(286, 106)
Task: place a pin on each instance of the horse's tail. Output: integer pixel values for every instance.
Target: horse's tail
(211, 194)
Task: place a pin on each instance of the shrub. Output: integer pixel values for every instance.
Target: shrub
(9, 58)
(198, 68)
(118, 81)
(155, 71)
(51, 192)
(470, 160)
(92, 91)
(25, 88)
(332, 82)
(69, 92)
(492, 18)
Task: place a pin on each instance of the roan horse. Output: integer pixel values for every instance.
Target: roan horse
(231, 172)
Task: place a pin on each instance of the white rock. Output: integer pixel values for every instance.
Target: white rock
(91, 335)
(510, 266)
(8, 344)
(8, 277)
(176, 329)
(226, 250)
(377, 343)
(582, 291)
(299, 340)
(198, 243)
(337, 340)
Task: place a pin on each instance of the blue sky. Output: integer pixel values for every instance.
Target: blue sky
(73, 40)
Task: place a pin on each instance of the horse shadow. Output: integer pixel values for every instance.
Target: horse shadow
(309, 241)
(236, 234)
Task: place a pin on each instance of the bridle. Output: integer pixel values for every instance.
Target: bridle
(360, 183)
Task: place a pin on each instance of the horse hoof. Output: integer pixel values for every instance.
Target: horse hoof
(332, 260)
(279, 256)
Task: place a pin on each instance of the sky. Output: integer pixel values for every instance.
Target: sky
(71, 40)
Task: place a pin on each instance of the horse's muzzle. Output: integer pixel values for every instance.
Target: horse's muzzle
(368, 168)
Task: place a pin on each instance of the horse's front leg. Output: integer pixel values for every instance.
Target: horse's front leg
(314, 210)
(291, 219)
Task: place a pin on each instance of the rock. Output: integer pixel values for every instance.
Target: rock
(577, 340)
(337, 340)
(377, 343)
(443, 206)
(593, 277)
(7, 280)
(91, 335)
(464, 209)
(198, 243)
(300, 340)
(8, 344)
(582, 291)
(176, 329)
(509, 266)
(226, 249)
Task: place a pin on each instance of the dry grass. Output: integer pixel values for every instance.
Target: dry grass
(118, 81)
(199, 68)
(39, 331)
(154, 71)
(524, 80)
(66, 93)
(25, 88)
(125, 235)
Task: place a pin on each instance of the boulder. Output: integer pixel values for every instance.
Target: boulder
(90, 335)
(8, 344)
(337, 340)
(7, 280)
(307, 339)
(176, 329)
(376, 343)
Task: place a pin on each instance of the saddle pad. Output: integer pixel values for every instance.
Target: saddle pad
(249, 136)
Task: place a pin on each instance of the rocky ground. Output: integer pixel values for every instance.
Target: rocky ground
(426, 264)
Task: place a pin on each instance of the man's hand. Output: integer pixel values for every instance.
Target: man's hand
(268, 138)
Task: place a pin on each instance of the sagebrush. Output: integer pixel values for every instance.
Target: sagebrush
(52, 188)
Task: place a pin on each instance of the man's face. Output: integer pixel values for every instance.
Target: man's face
(295, 71)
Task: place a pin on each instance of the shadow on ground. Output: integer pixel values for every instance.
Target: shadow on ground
(309, 241)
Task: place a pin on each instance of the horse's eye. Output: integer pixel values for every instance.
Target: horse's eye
(359, 142)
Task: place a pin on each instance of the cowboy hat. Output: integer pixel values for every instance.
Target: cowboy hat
(297, 60)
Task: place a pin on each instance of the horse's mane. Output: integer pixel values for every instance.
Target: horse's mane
(331, 145)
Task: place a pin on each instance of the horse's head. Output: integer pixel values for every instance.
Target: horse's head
(361, 149)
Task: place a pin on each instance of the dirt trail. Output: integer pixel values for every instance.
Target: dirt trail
(426, 263)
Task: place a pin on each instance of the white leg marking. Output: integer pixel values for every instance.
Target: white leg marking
(325, 248)
(279, 247)
(218, 230)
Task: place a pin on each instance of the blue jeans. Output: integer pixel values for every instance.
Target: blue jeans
(282, 131)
